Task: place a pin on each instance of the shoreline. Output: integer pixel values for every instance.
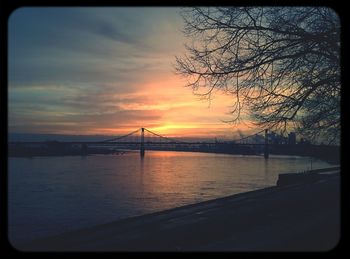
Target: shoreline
(330, 154)
(332, 162)
(241, 222)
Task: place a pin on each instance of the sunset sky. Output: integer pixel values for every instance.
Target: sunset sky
(105, 71)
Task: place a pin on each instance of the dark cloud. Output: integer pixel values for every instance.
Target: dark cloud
(115, 118)
(97, 52)
(108, 30)
(78, 68)
(80, 45)
(84, 122)
(51, 73)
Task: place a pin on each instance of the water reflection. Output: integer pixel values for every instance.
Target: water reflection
(103, 188)
(142, 165)
(266, 164)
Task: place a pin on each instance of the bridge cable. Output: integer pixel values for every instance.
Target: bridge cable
(171, 139)
(236, 140)
(124, 136)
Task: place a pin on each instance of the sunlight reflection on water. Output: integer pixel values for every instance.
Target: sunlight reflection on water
(50, 195)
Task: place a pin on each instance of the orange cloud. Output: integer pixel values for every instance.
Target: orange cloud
(182, 113)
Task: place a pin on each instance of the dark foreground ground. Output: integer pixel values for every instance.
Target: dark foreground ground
(298, 217)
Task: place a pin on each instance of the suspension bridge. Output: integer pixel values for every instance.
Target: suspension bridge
(144, 139)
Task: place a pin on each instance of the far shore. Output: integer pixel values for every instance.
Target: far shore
(330, 154)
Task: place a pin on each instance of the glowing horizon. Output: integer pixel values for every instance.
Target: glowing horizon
(98, 71)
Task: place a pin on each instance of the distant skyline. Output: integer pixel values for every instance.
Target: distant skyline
(105, 71)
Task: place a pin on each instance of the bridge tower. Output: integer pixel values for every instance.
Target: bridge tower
(142, 146)
(266, 147)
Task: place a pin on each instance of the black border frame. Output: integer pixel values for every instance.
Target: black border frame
(8, 6)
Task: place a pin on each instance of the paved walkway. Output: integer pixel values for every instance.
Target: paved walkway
(300, 217)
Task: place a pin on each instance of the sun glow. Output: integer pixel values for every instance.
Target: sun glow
(111, 92)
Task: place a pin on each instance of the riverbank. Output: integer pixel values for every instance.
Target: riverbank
(303, 216)
(330, 154)
(28, 151)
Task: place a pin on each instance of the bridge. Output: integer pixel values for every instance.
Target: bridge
(144, 139)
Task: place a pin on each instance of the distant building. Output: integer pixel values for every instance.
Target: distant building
(292, 138)
(274, 138)
(304, 141)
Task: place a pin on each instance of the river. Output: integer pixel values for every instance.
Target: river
(52, 195)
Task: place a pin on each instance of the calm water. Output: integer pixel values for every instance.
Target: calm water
(51, 195)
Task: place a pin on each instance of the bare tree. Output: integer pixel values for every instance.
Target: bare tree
(281, 64)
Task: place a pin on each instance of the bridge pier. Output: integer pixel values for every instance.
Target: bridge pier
(142, 146)
(266, 147)
(84, 149)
